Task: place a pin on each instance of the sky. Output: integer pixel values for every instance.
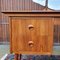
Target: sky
(53, 4)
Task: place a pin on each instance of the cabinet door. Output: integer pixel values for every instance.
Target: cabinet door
(32, 34)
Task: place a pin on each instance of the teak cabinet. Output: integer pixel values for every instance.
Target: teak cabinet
(31, 33)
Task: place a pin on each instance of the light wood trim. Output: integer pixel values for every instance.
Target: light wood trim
(34, 53)
(10, 35)
(52, 34)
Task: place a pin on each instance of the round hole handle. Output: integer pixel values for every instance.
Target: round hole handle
(30, 43)
(30, 26)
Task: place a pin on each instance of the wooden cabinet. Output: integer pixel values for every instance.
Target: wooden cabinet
(32, 35)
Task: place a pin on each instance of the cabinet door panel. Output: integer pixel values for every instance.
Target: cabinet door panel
(32, 34)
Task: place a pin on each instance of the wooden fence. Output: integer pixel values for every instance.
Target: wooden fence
(15, 6)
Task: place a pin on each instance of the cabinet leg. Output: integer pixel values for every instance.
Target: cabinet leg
(16, 56)
(20, 56)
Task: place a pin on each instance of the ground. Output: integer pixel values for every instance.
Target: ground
(4, 49)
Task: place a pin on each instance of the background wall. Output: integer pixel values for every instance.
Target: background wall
(19, 5)
(14, 6)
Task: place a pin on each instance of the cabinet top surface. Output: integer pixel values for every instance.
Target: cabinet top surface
(31, 13)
